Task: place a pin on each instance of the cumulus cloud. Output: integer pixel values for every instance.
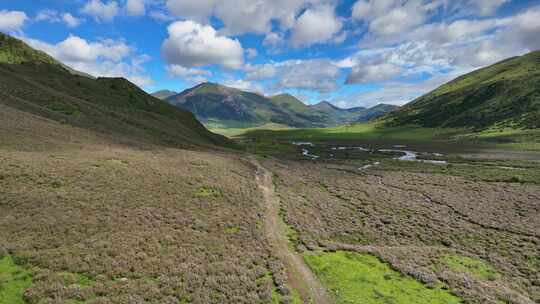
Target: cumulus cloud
(54, 17)
(488, 7)
(109, 58)
(251, 53)
(260, 71)
(161, 16)
(316, 25)
(12, 20)
(47, 15)
(374, 72)
(244, 85)
(135, 7)
(242, 16)
(274, 41)
(391, 17)
(70, 20)
(178, 70)
(191, 44)
(100, 11)
(317, 74)
(198, 10)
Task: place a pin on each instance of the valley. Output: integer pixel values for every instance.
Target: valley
(111, 195)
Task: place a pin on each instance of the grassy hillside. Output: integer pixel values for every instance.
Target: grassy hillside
(107, 105)
(14, 51)
(504, 94)
(223, 107)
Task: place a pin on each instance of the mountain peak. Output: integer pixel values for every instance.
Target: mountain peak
(326, 104)
(15, 51)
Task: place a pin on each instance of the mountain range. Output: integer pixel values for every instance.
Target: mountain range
(218, 105)
(33, 82)
(504, 94)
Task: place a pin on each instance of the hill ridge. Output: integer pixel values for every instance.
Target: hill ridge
(505, 93)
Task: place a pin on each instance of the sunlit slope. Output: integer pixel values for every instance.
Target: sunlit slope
(504, 94)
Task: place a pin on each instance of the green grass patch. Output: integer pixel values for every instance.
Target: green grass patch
(233, 131)
(64, 108)
(475, 267)
(14, 280)
(362, 278)
(232, 229)
(209, 192)
(366, 131)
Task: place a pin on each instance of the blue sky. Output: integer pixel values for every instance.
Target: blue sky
(350, 52)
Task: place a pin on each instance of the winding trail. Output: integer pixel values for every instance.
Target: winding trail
(299, 275)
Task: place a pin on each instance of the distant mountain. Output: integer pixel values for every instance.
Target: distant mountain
(340, 116)
(220, 106)
(376, 112)
(34, 82)
(164, 94)
(506, 93)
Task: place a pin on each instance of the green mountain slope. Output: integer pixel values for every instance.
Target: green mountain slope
(224, 107)
(215, 104)
(36, 83)
(504, 94)
(14, 51)
(338, 116)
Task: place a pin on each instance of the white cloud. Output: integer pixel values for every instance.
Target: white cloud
(392, 17)
(317, 74)
(108, 58)
(488, 7)
(316, 25)
(178, 70)
(100, 11)
(161, 16)
(373, 73)
(141, 81)
(70, 20)
(198, 10)
(191, 44)
(135, 7)
(242, 16)
(243, 85)
(47, 15)
(55, 17)
(274, 41)
(12, 20)
(252, 53)
(260, 71)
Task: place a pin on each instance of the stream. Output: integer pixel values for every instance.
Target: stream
(407, 154)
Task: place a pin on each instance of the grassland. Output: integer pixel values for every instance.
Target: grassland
(363, 278)
(14, 280)
(478, 237)
(496, 137)
(102, 221)
(232, 132)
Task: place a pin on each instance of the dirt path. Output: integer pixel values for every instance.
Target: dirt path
(299, 274)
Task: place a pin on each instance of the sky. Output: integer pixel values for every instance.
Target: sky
(349, 52)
